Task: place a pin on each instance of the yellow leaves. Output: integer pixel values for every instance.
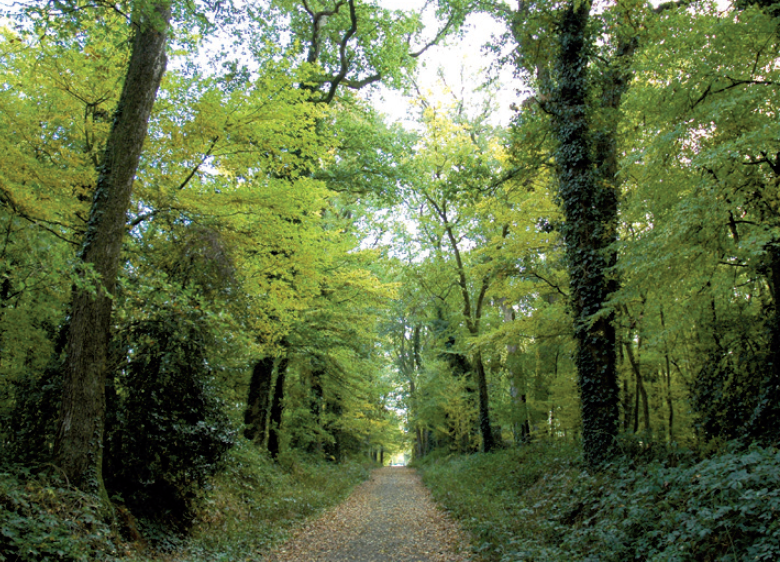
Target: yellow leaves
(55, 119)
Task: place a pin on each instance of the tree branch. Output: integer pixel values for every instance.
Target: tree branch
(343, 59)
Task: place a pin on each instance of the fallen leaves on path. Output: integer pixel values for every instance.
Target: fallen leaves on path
(389, 518)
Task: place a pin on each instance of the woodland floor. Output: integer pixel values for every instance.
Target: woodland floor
(389, 518)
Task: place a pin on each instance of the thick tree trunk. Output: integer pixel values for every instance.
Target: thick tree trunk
(259, 401)
(79, 441)
(590, 212)
(275, 423)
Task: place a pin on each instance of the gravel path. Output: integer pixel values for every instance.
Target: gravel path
(389, 518)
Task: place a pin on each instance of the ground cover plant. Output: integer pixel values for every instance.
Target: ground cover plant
(540, 503)
(243, 510)
(44, 519)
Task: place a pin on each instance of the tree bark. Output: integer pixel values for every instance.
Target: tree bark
(79, 441)
(590, 212)
(668, 373)
(259, 401)
(275, 423)
(488, 440)
(641, 391)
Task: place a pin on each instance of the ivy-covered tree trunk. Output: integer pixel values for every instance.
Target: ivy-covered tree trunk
(79, 441)
(590, 212)
(259, 400)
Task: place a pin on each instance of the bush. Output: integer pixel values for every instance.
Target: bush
(166, 431)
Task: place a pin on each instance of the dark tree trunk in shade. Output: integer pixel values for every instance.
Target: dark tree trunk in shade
(589, 207)
(763, 423)
(488, 441)
(641, 391)
(79, 440)
(333, 449)
(275, 423)
(259, 401)
(315, 406)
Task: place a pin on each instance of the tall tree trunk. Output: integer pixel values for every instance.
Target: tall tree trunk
(333, 449)
(641, 391)
(521, 431)
(668, 373)
(259, 401)
(488, 440)
(411, 373)
(315, 407)
(275, 423)
(590, 227)
(79, 441)
(763, 422)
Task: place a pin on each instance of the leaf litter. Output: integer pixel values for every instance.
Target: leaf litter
(389, 518)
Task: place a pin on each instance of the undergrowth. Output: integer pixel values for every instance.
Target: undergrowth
(537, 503)
(243, 510)
(254, 502)
(42, 519)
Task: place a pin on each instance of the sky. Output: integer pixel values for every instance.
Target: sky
(462, 61)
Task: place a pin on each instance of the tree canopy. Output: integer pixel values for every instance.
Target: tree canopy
(210, 234)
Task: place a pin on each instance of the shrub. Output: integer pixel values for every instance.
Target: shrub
(167, 430)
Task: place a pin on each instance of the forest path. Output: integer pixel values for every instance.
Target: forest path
(389, 518)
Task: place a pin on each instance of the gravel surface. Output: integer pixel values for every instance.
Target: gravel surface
(389, 518)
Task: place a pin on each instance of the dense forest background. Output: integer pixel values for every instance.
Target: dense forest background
(212, 241)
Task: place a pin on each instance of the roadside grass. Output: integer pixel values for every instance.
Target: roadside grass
(249, 506)
(538, 503)
(253, 503)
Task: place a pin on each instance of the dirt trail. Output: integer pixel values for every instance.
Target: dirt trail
(389, 518)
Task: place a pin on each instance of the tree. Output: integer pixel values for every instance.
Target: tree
(707, 153)
(590, 210)
(78, 446)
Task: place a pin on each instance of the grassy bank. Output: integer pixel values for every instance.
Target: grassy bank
(539, 503)
(247, 507)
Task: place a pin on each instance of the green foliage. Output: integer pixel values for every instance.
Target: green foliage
(43, 519)
(701, 200)
(167, 427)
(536, 503)
(30, 422)
(254, 502)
